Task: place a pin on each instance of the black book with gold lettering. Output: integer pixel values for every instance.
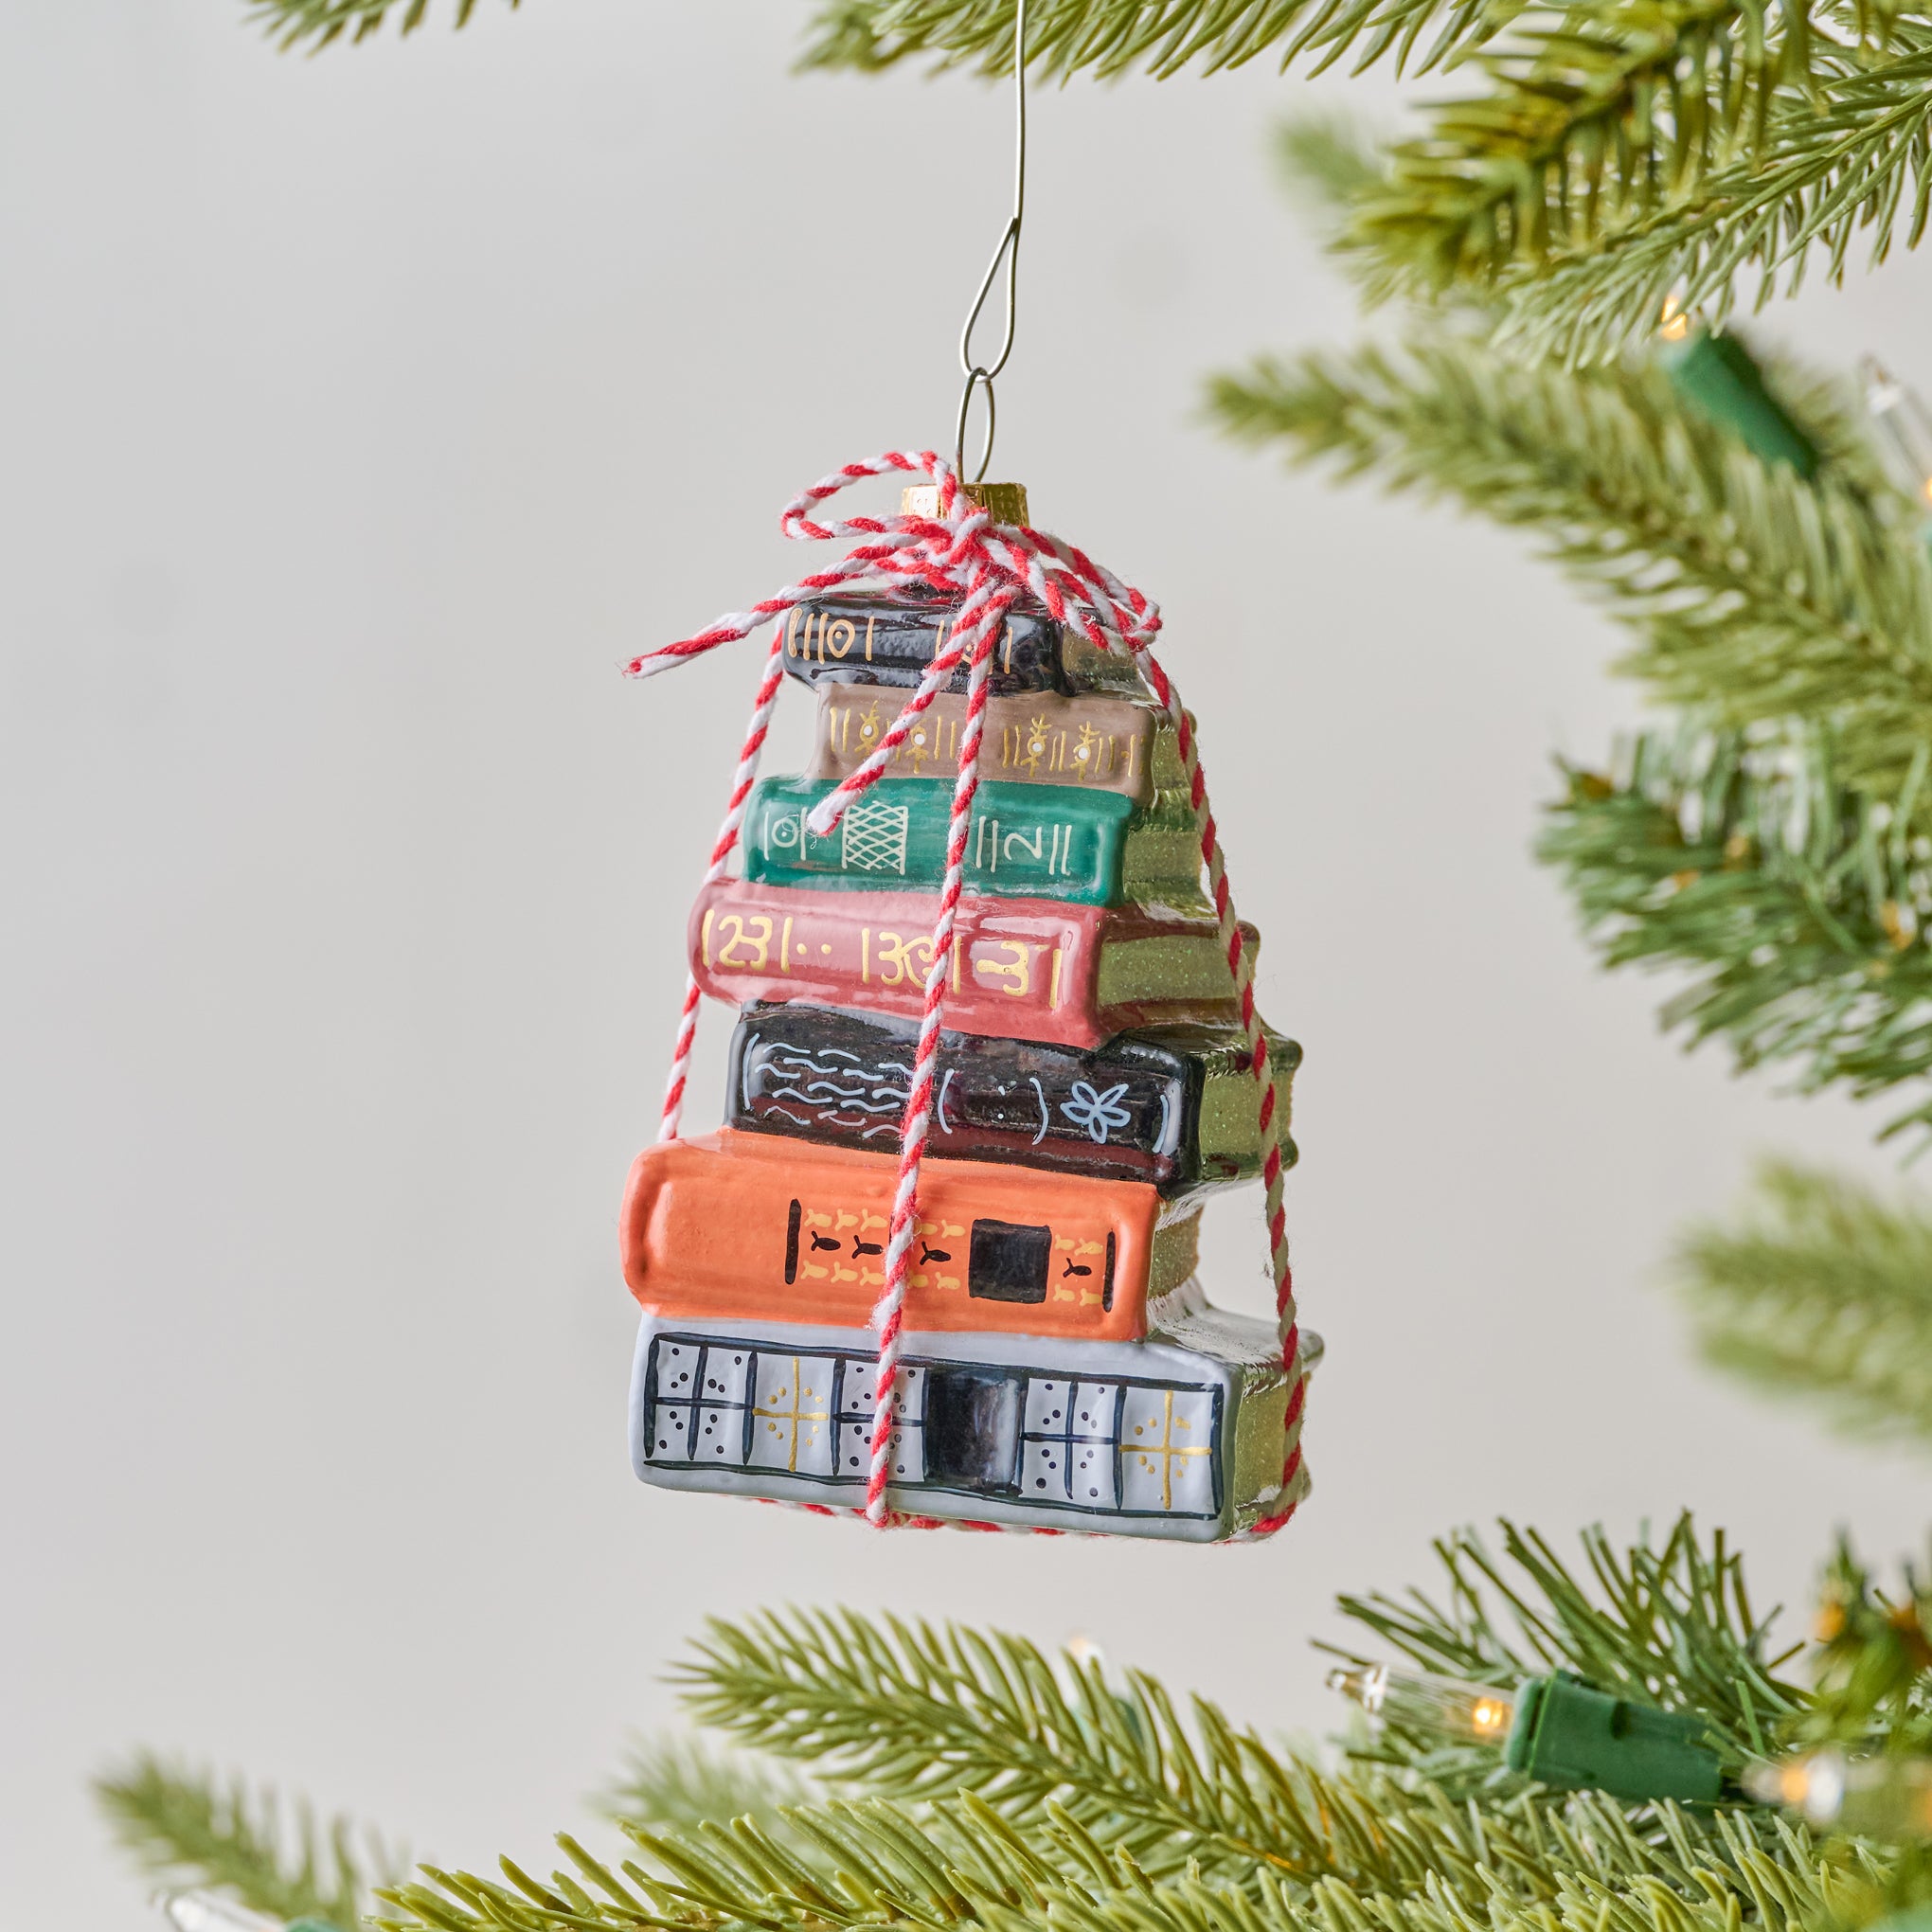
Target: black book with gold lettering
(892, 639)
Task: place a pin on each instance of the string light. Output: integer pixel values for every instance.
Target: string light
(1557, 1730)
(1472, 1713)
(1887, 1798)
(1904, 426)
(1717, 376)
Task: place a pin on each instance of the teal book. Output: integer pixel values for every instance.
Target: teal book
(1030, 841)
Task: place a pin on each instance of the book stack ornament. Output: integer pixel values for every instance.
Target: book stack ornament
(1059, 1366)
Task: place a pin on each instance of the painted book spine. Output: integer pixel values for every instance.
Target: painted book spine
(1026, 969)
(1126, 1112)
(748, 1226)
(1033, 841)
(1142, 1438)
(893, 642)
(1098, 744)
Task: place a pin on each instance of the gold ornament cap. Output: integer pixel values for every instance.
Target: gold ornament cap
(1004, 502)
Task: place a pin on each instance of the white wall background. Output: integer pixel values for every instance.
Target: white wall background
(359, 415)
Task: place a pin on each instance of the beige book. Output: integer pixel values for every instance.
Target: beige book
(1089, 742)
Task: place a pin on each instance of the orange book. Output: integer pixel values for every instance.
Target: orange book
(751, 1227)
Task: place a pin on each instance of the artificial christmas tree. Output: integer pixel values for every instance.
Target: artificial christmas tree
(1613, 168)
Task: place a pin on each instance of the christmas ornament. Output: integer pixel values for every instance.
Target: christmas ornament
(1557, 1729)
(940, 1262)
(996, 1047)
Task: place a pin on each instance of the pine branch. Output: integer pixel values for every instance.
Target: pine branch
(1824, 1292)
(1582, 1868)
(1669, 1626)
(672, 1783)
(1779, 1889)
(1326, 161)
(1860, 159)
(317, 24)
(921, 1713)
(186, 1829)
(1756, 596)
(1599, 115)
(872, 1860)
(1802, 908)
(1160, 37)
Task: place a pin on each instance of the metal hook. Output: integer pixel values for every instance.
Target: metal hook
(976, 379)
(980, 374)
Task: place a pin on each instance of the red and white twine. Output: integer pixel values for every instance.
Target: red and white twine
(963, 553)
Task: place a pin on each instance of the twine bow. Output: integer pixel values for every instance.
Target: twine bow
(984, 568)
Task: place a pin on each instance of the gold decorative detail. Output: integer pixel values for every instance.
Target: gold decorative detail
(1167, 1449)
(796, 1415)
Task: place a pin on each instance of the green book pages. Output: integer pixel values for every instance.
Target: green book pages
(1026, 841)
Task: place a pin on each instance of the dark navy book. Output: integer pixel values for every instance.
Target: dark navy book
(892, 639)
(1176, 1106)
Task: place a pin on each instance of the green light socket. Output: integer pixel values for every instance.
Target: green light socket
(1716, 375)
(1570, 1735)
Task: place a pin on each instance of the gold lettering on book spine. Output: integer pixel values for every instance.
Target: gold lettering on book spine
(753, 930)
(1093, 755)
(1015, 973)
(1043, 745)
(896, 956)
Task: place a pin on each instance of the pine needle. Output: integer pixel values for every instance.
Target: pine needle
(1804, 908)
(188, 1827)
(1824, 1291)
(317, 24)
(1108, 38)
(670, 1784)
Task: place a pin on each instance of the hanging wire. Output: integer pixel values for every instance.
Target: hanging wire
(980, 375)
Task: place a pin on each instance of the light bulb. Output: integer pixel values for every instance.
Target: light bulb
(1472, 1713)
(1877, 1798)
(1904, 426)
(1674, 324)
